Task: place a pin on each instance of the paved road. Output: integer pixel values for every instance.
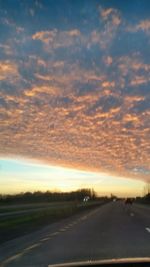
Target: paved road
(109, 231)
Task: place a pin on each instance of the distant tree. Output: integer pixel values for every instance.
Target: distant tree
(48, 196)
(147, 189)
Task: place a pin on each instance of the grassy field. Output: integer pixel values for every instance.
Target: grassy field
(31, 206)
(16, 225)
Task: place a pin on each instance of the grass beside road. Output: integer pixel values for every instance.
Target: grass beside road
(31, 206)
(16, 225)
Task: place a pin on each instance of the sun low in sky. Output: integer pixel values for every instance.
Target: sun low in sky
(74, 95)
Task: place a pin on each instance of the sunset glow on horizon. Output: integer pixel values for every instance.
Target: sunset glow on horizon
(23, 175)
(75, 96)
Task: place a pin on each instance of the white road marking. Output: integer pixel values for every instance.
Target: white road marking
(148, 229)
(31, 247)
(66, 227)
(53, 234)
(18, 255)
(83, 218)
(12, 258)
(62, 230)
(45, 239)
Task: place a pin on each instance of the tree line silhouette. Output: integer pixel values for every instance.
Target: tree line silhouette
(48, 196)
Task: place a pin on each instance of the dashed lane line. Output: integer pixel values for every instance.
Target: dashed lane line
(62, 230)
(31, 247)
(53, 234)
(45, 239)
(147, 229)
(18, 255)
(12, 258)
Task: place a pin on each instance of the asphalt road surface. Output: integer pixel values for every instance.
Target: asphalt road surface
(110, 231)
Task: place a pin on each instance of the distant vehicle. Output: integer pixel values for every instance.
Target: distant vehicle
(86, 199)
(128, 201)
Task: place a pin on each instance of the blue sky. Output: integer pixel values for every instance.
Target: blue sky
(74, 86)
(20, 175)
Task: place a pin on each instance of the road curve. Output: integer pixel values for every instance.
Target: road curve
(110, 231)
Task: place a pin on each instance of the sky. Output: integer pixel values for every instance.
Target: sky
(74, 95)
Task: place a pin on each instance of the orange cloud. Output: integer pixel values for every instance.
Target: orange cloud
(108, 84)
(85, 105)
(106, 12)
(78, 118)
(41, 89)
(8, 70)
(134, 98)
(132, 66)
(45, 36)
(112, 14)
(55, 38)
(143, 25)
(139, 80)
(129, 117)
(111, 19)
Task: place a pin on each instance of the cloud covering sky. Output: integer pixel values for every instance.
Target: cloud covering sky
(75, 84)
